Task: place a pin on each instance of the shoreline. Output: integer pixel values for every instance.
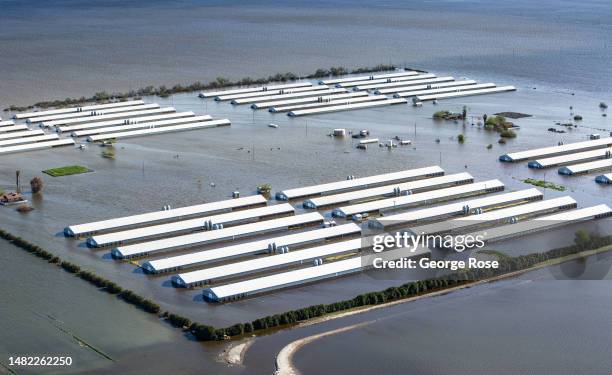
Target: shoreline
(283, 361)
(233, 354)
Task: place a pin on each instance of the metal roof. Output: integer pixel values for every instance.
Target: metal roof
(368, 86)
(11, 122)
(416, 216)
(310, 99)
(304, 275)
(427, 197)
(262, 94)
(284, 279)
(36, 146)
(543, 223)
(406, 94)
(211, 94)
(347, 107)
(413, 186)
(97, 112)
(321, 104)
(133, 120)
(554, 150)
(16, 141)
(160, 130)
(21, 134)
(12, 128)
(362, 182)
(586, 167)
(386, 80)
(333, 81)
(493, 216)
(75, 109)
(112, 129)
(565, 159)
(426, 86)
(314, 91)
(200, 238)
(157, 216)
(466, 93)
(185, 225)
(267, 262)
(88, 119)
(242, 249)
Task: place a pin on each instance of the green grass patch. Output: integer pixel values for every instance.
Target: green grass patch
(544, 184)
(67, 171)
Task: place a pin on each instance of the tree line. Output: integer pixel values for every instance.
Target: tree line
(203, 332)
(219, 83)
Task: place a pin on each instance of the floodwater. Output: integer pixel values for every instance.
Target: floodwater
(549, 52)
(521, 326)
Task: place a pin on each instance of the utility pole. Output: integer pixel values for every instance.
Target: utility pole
(17, 174)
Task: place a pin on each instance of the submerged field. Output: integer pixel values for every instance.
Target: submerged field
(202, 166)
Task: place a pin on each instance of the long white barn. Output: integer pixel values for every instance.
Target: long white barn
(235, 251)
(386, 190)
(360, 183)
(556, 150)
(459, 208)
(198, 224)
(427, 197)
(164, 215)
(208, 275)
(201, 238)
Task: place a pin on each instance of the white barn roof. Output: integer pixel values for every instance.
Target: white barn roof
(233, 251)
(266, 262)
(159, 216)
(566, 159)
(417, 216)
(200, 238)
(360, 183)
(412, 186)
(562, 203)
(427, 197)
(586, 167)
(346, 107)
(333, 81)
(75, 109)
(160, 130)
(133, 120)
(186, 225)
(212, 94)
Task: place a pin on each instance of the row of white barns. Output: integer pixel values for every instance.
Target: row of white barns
(303, 99)
(132, 118)
(243, 247)
(521, 217)
(488, 212)
(19, 138)
(217, 269)
(421, 86)
(572, 158)
(354, 92)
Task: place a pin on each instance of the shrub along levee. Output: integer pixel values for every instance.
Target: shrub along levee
(218, 83)
(202, 332)
(583, 241)
(100, 282)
